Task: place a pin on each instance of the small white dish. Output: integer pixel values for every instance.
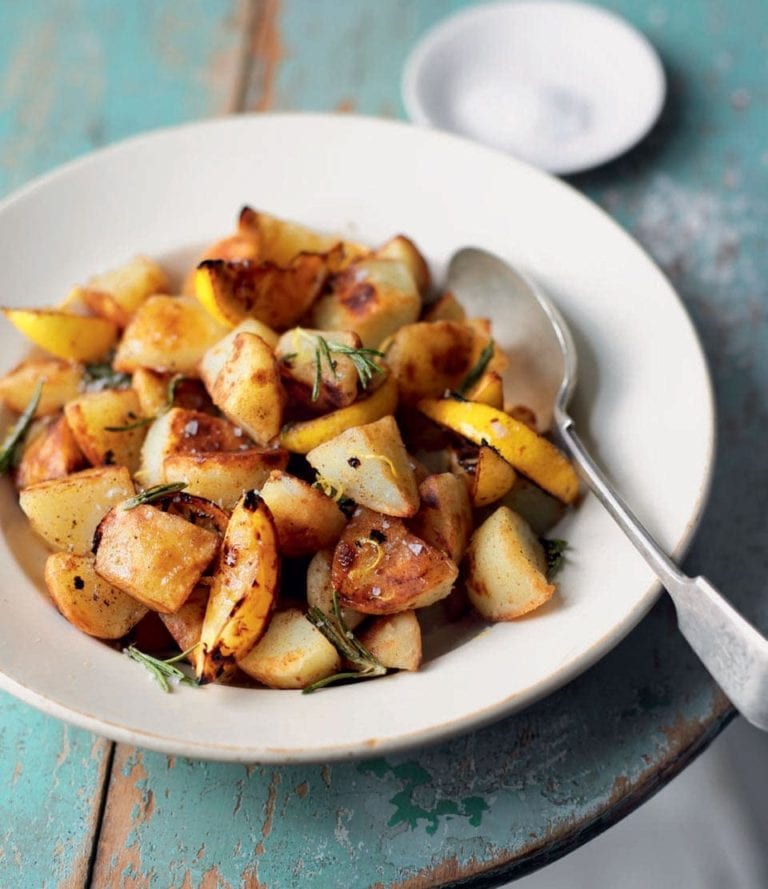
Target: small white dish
(563, 85)
(643, 381)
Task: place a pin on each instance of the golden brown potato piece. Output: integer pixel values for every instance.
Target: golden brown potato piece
(445, 308)
(98, 421)
(117, 294)
(87, 600)
(372, 297)
(444, 519)
(168, 333)
(492, 479)
(320, 589)
(300, 355)
(379, 567)
(66, 511)
(244, 590)
(247, 388)
(428, 358)
(154, 556)
(306, 519)
(52, 454)
(394, 640)
(61, 382)
(293, 653)
(489, 389)
(506, 568)
(186, 624)
(404, 250)
(370, 465)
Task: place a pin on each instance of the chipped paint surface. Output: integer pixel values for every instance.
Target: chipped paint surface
(518, 794)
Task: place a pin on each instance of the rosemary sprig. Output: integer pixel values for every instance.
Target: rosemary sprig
(476, 372)
(363, 360)
(170, 396)
(334, 629)
(136, 423)
(101, 375)
(9, 450)
(157, 492)
(163, 670)
(554, 553)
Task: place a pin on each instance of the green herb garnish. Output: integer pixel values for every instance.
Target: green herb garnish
(163, 670)
(173, 385)
(101, 375)
(10, 448)
(135, 423)
(363, 359)
(138, 422)
(476, 372)
(334, 629)
(157, 492)
(554, 553)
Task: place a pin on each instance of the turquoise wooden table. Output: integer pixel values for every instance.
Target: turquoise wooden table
(77, 810)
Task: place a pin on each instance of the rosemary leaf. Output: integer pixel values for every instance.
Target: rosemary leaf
(363, 360)
(9, 450)
(157, 492)
(101, 375)
(476, 372)
(170, 397)
(163, 670)
(134, 424)
(554, 553)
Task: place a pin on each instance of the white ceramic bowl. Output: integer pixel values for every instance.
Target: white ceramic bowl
(563, 85)
(644, 382)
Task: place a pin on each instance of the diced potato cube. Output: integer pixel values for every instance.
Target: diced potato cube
(248, 390)
(372, 297)
(306, 519)
(320, 589)
(395, 640)
(293, 653)
(154, 556)
(66, 511)
(506, 568)
(117, 294)
(379, 567)
(216, 357)
(87, 600)
(404, 250)
(444, 519)
(167, 333)
(95, 419)
(370, 465)
(52, 454)
(61, 382)
(186, 624)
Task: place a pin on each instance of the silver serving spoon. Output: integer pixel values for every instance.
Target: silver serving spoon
(733, 651)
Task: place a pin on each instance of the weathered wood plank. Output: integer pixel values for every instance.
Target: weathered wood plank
(51, 784)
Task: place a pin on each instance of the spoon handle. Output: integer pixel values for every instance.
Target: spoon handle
(733, 651)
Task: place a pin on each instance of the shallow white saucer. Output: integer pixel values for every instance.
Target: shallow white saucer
(563, 85)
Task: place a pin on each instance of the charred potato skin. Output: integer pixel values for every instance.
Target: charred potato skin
(88, 601)
(156, 557)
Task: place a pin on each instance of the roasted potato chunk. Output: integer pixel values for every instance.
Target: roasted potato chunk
(489, 390)
(404, 250)
(394, 640)
(320, 589)
(167, 333)
(370, 465)
(61, 382)
(444, 519)
(506, 568)
(67, 336)
(303, 436)
(186, 623)
(118, 293)
(154, 556)
(372, 297)
(66, 511)
(52, 454)
(492, 479)
(244, 589)
(87, 600)
(306, 519)
(247, 388)
(428, 358)
(293, 653)
(103, 425)
(445, 308)
(379, 567)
